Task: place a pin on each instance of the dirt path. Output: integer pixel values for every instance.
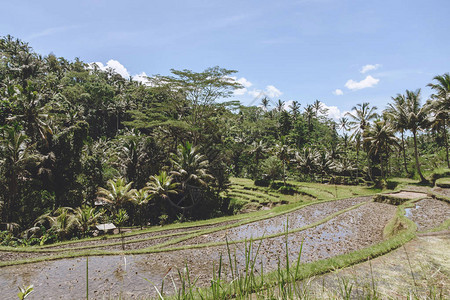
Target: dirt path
(430, 264)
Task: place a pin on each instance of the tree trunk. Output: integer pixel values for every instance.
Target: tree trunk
(357, 160)
(416, 154)
(382, 167)
(446, 144)
(284, 173)
(404, 154)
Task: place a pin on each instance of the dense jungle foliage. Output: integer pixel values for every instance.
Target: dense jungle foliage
(79, 145)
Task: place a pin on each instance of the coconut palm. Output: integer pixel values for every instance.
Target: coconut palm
(258, 150)
(141, 199)
(117, 193)
(86, 217)
(282, 152)
(324, 163)
(61, 221)
(162, 186)
(16, 155)
(416, 119)
(309, 114)
(441, 105)
(396, 114)
(295, 108)
(380, 139)
(306, 161)
(265, 103)
(190, 167)
(360, 119)
(280, 106)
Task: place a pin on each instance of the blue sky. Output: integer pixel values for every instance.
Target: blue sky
(291, 50)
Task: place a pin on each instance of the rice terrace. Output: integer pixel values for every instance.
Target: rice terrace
(224, 150)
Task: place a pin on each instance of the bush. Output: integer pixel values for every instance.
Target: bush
(287, 190)
(439, 174)
(264, 182)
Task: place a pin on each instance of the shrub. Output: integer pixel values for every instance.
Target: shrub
(264, 182)
(287, 190)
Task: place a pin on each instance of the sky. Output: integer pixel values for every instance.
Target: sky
(340, 52)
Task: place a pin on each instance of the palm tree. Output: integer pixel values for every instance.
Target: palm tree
(324, 163)
(307, 161)
(190, 167)
(295, 108)
(61, 221)
(397, 116)
(161, 186)
(16, 156)
(258, 150)
(282, 151)
(117, 193)
(85, 217)
(265, 103)
(309, 114)
(280, 105)
(381, 139)
(360, 119)
(141, 199)
(343, 124)
(416, 119)
(441, 105)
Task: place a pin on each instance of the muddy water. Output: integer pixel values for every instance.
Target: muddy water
(296, 219)
(428, 213)
(118, 275)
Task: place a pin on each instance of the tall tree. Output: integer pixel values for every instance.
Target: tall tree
(381, 139)
(396, 113)
(441, 105)
(360, 119)
(416, 119)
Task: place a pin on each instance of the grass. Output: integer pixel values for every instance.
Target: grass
(443, 182)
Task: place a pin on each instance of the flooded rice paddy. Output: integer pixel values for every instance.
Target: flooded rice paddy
(133, 276)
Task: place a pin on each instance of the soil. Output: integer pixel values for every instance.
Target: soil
(296, 219)
(428, 213)
(125, 275)
(426, 258)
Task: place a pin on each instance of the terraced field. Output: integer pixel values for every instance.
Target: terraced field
(314, 219)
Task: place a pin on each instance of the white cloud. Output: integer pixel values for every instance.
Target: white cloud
(272, 91)
(338, 92)
(142, 77)
(369, 81)
(255, 93)
(368, 68)
(244, 82)
(334, 112)
(116, 66)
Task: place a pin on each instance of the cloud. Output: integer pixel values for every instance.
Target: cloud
(244, 82)
(368, 68)
(338, 92)
(115, 65)
(369, 81)
(272, 91)
(334, 112)
(142, 78)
